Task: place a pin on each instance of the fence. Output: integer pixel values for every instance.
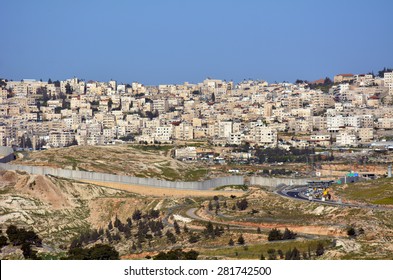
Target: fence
(104, 177)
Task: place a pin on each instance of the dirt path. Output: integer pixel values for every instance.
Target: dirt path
(200, 214)
(164, 192)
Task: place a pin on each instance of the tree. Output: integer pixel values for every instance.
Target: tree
(185, 228)
(272, 254)
(176, 227)
(382, 72)
(351, 232)
(320, 249)
(98, 252)
(137, 215)
(295, 255)
(68, 88)
(3, 241)
(194, 238)
(259, 230)
(170, 237)
(274, 235)
(50, 81)
(242, 204)
(19, 236)
(177, 254)
(129, 222)
(218, 231)
(154, 213)
(231, 242)
(29, 253)
(241, 240)
(117, 222)
(288, 234)
(209, 230)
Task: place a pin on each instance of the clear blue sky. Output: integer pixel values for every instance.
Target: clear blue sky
(175, 41)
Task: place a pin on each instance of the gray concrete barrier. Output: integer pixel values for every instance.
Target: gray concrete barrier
(6, 154)
(273, 182)
(104, 177)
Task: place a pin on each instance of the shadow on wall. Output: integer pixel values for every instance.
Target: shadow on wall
(6, 154)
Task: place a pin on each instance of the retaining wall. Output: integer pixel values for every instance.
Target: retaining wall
(104, 177)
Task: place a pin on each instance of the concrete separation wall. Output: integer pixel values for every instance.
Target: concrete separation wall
(104, 177)
(274, 182)
(6, 154)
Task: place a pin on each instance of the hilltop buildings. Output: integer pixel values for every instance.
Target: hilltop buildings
(356, 110)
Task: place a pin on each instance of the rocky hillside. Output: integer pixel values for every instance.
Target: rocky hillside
(59, 209)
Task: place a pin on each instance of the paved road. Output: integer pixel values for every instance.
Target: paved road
(298, 192)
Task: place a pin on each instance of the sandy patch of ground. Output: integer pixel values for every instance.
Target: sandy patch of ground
(317, 230)
(164, 192)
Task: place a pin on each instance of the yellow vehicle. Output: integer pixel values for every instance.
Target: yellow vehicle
(326, 194)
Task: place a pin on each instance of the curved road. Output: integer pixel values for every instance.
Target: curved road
(298, 192)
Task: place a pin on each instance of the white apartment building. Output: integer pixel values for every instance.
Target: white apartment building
(184, 132)
(334, 124)
(163, 134)
(235, 138)
(385, 123)
(346, 138)
(60, 138)
(224, 129)
(388, 81)
(352, 121)
(265, 136)
(320, 139)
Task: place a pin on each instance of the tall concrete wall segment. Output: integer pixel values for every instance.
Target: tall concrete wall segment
(6, 154)
(272, 182)
(103, 177)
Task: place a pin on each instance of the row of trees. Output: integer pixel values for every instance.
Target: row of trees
(276, 234)
(241, 204)
(177, 254)
(294, 254)
(270, 155)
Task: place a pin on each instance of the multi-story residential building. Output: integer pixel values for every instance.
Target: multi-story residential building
(346, 138)
(163, 134)
(334, 124)
(366, 135)
(320, 139)
(265, 136)
(388, 81)
(184, 131)
(224, 129)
